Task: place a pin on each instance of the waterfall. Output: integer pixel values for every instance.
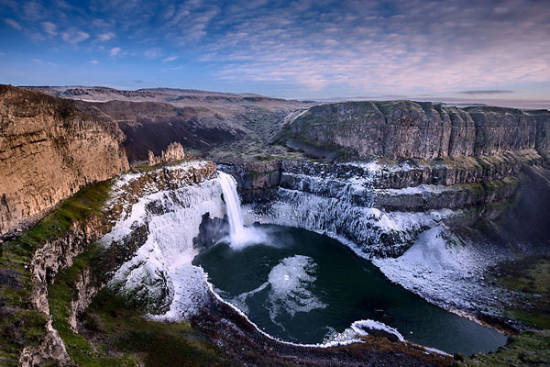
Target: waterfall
(239, 235)
(233, 204)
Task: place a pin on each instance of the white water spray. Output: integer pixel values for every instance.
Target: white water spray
(233, 204)
(239, 235)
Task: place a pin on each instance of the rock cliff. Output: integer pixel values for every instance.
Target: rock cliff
(49, 149)
(173, 153)
(405, 129)
(55, 243)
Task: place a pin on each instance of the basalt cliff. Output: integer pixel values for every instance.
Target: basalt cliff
(49, 149)
(405, 129)
(466, 188)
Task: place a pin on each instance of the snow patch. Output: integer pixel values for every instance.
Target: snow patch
(443, 270)
(162, 267)
(359, 329)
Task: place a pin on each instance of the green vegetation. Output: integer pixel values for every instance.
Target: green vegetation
(86, 202)
(162, 344)
(144, 167)
(118, 335)
(531, 278)
(531, 348)
(20, 325)
(60, 295)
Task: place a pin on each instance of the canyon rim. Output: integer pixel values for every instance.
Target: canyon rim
(198, 183)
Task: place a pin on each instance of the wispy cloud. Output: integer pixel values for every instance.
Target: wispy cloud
(49, 28)
(115, 51)
(366, 48)
(458, 47)
(153, 53)
(487, 91)
(14, 24)
(74, 36)
(33, 10)
(94, 62)
(103, 37)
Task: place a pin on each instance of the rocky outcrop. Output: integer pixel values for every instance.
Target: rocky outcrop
(255, 179)
(86, 289)
(381, 207)
(60, 252)
(51, 348)
(173, 153)
(49, 149)
(405, 129)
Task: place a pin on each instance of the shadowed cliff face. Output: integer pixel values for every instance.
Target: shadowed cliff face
(405, 129)
(154, 125)
(211, 123)
(49, 149)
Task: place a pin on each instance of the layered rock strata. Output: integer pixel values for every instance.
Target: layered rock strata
(406, 129)
(49, 149)
(60, 252)
(381, 207)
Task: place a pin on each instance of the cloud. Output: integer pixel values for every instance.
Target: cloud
(487, 91)
(12, 23)
(456, 47)
(74, 36)
(106, 36)
(33, 10)
(95, 62)
(49, 28)
(417, 46)
(153, 53)
(115, 51)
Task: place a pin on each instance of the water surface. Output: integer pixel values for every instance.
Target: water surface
(303, 287)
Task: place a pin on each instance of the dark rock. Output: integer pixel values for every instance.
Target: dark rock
(406, 129)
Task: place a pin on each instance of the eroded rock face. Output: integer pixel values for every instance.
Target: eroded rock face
(405, 129)
(173, 153)
(49, 149)
(382, 207)
(51, 348)
(61, 252)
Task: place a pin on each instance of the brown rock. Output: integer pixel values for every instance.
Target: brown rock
(49, 149)
(173, 153)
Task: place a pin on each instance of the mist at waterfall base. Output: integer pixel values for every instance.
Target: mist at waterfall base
(304, 287)
(239, 235)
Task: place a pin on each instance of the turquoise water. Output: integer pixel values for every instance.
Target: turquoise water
(303, 287)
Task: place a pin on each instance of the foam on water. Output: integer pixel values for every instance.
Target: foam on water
(359, 329)
(290, 281)
(288, 285)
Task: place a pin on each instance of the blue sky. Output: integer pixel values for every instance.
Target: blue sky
(301, 49)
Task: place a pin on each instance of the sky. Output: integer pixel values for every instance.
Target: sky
(295, 49)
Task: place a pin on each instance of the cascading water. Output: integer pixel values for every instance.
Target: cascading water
(233, 204)
(239, 235)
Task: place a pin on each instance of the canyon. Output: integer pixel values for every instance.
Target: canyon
(49, 149)
(435, 196)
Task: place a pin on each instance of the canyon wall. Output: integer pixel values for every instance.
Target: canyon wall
(49, 149)
(406, 129)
